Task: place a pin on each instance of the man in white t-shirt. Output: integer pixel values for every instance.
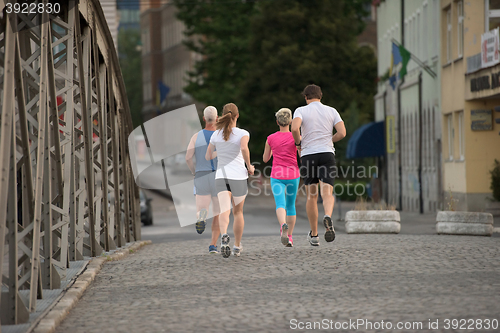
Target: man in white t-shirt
(316, 121)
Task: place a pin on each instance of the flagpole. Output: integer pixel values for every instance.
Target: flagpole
(418, 61)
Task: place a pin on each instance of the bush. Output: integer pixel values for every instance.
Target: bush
(495, 180)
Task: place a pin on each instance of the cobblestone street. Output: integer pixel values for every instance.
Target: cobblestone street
(179, 287)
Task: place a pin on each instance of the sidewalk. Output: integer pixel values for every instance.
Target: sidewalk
(394, 278)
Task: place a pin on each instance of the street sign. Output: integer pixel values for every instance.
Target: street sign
(481, 120)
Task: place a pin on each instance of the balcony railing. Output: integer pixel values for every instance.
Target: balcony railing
(473, 63)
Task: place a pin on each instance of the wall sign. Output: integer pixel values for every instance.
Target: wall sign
(480, 83)
(481, 120)
(489, 48)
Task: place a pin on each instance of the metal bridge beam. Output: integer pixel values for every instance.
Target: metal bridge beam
(66, 187)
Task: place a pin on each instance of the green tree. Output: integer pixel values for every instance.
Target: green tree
(298, 42)
(131, 63)
(218, 30)
(261, 54)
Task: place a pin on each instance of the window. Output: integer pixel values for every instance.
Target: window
(448, 35)
(460, 15)
(450, 136)
(407, 34)
(461, 142)
(412, 34)
(492, 14)
(425, 36)
(418, 48)
(435, 26)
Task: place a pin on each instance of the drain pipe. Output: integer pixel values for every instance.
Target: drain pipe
(399, 111)
(421, 200)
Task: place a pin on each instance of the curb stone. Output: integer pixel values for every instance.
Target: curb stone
(70, 297)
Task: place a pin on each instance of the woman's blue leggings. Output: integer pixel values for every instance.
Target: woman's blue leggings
(285, 193)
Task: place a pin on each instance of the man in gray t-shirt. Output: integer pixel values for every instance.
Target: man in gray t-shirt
(316, 121)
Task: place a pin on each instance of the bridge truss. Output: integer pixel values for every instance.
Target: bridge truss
(66, 189)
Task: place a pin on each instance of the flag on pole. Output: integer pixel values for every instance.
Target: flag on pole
(396, 55)
(392, 81)
(400, 55)
(161, 92)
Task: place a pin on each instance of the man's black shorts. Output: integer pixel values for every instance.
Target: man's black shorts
(316, 167)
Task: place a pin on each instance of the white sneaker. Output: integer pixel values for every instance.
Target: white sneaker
(225, 250)
(237, 250)
(284, 234)
(314, 241)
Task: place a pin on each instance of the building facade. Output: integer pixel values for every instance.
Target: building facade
(152, 66)
(109, 8)
(470, 99)
(129, 14)
(178, 61)
(410, 106)
(166, 61)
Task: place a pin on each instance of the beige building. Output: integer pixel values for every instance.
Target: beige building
(176, 58)
(470, 89)
(164, 58)
(152, 67)
(148, 4)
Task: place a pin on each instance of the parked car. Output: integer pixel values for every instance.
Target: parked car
(146, 211)
(177, 165)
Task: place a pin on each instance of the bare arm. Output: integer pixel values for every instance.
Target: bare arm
(267, 153)
(210, 154)
(341, 132)
(190, 153)
(246, 154)
(296, 123)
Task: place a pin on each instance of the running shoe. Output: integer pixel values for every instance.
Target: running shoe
(290, 241)
(201, 222)
(329, 233)
(314, 241)
(284, 233)
(225, 250)
(212, 249)
(237, 250)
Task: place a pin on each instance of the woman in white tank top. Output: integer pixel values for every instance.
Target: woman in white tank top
(231, 144)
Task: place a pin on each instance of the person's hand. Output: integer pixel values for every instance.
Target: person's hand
(251, 170)
(299, 149)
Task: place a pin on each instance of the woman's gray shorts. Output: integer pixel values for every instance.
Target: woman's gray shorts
(237, 187)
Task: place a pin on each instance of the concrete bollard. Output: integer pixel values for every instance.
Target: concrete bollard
(372, 221)
(464, 223)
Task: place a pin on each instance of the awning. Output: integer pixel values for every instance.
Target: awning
(367, 141)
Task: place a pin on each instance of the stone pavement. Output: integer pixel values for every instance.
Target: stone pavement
(179, 287)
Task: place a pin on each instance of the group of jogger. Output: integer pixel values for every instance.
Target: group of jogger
(223, 164)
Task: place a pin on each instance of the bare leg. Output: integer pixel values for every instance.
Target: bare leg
(281, 214)
(239, 221)
(312, 207)
(202, 202)
(328, 198)
(215, 230)
(225, 209)
(290, 220)
(215, 221)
